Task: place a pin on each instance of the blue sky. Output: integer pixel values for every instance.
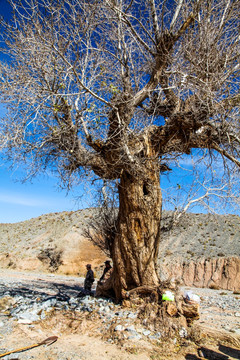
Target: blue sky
(19, 202)
(4, 8)
(22, 201)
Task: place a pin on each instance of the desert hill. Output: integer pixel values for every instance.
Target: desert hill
(51, 242)
(201, 250)
(201, 235)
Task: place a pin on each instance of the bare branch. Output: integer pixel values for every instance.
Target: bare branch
(175, 16)
(226, 154)
(155, 21)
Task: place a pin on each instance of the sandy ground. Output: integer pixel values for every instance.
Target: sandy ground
(79, 338)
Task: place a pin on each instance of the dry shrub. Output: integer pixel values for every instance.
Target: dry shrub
(52, 257)
(196, 336)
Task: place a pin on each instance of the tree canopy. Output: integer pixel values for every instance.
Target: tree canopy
(90, 78)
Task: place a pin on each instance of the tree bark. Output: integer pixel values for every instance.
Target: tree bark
(135, 247)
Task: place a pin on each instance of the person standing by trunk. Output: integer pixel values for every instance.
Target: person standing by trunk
(106, 269)
(105, 282)
(89, 279)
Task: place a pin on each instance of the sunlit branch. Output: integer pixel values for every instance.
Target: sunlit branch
(175, 16)
(225, 154)
(155, 21)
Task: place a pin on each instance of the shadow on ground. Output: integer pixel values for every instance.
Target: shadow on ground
(223, 354)
(234, 353)
(59, 290)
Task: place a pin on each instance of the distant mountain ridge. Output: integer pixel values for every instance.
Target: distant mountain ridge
(197, 239)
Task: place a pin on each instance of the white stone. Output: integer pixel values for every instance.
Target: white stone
(119, 328)
(28, 317)
(130, 328)
(146, 332)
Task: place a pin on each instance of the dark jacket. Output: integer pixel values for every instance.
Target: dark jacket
(90, 276)
(106, 269)
(89, 279)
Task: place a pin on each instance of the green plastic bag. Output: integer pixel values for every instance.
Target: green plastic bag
(168, 296)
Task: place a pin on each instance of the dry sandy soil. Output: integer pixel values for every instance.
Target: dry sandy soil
(78, 337)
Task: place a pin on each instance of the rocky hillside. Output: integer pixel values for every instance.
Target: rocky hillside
(201, 250)
(51, 242)
(197, 235)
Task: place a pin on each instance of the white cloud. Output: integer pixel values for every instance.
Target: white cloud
(21, 200)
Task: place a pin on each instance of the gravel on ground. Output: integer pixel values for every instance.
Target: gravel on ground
(34, 306)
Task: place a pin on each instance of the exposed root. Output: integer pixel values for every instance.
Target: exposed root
(144, 291)
(167, 317)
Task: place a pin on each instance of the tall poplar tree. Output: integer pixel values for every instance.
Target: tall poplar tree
(119, 88)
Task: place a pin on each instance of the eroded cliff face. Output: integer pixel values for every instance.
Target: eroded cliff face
(221, 272)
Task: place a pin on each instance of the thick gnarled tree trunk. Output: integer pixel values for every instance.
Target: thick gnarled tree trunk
(135, 248)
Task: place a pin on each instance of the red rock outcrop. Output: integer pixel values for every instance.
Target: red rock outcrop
(222, 272)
